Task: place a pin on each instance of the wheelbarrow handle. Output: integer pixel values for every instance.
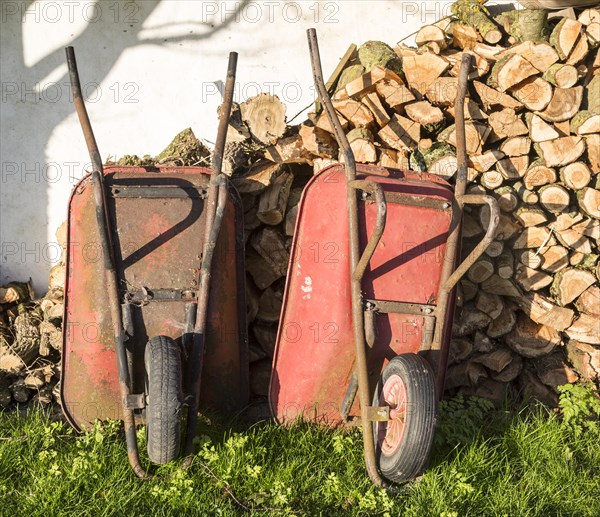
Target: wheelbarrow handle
(375, 189)
(476, 199)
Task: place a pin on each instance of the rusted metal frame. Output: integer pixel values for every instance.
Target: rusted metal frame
(450, 276)
(453, 242)
(476, 199)
(386, 306)
(109, 266)
(215, 209)
(158, 192)
(159, 295)
(357, 308)
(420, 201)
(375, 189)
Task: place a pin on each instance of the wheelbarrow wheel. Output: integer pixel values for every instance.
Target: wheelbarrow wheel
(164, 394)
(403, 443)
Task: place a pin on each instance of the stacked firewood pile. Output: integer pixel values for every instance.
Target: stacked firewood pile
(529, 309)
(31, 340)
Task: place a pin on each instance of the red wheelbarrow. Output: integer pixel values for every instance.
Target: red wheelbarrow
(145, 337)
(371, 312)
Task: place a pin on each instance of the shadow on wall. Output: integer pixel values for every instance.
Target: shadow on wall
(113, 27)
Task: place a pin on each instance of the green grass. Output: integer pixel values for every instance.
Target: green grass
(485, 462)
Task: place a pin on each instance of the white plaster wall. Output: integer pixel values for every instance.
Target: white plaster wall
(149, 68)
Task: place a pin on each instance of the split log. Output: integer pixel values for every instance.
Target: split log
(513, 167)
(469, 289)
(534, 237)
(574, 240)
(464, 374)
(507, 123)
(361, 143)
(539, 130)
(367, 81)
(421, 70)
(562, 151)
(496, 360)
(530, 339)
(565, 36)
(537, 175)
(292, 210)
(592, 143)
(400, 133)
(428, 116)
(585, 122)
(585, 329)
(393, 159)
(372, 101)
(459, 350)
(503, 324)
(516, 146)
(589, 301)
(541, 310)
(531, 259)
(564, 105)
(569, 283)
(273, 201)
(317, 141)
(288, 150)
(576, 175)
(580, 51)
(485, 161)
(472, 12)
(505, 264)
(585, 358)
(324, 124)
(480, 270)
(531, 279)
(440, 159)
(490, 304)
(264, 115)
(556, 258)
(533, 389)
(553, 371)
(431, 33)
(554, 198)
(491, 97)
(259, 176)
(260, 270)
(394, 94)
(507, 199)
(471, 319)
(528, 197)
(511, 371)
(349, 74)
(464, 36)
(541, 55)
(355, 112)
(561, 75)
(476, 135)
(442, 91)
(502, 286)
(509, 71)
(530, 216)
(534, 92)
(589, 202)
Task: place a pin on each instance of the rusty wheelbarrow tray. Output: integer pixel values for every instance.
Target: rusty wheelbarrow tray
(140, 317)
(369, 299)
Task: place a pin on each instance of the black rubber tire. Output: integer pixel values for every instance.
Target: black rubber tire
(411, 456)
(164, 398)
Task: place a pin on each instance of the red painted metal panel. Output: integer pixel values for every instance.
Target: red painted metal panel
(158, 242)
(314, 356)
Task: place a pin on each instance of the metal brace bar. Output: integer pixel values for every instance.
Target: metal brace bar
(135, 401)
(420, 201)
(157, 192)
(386, 307)
(378, 413)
